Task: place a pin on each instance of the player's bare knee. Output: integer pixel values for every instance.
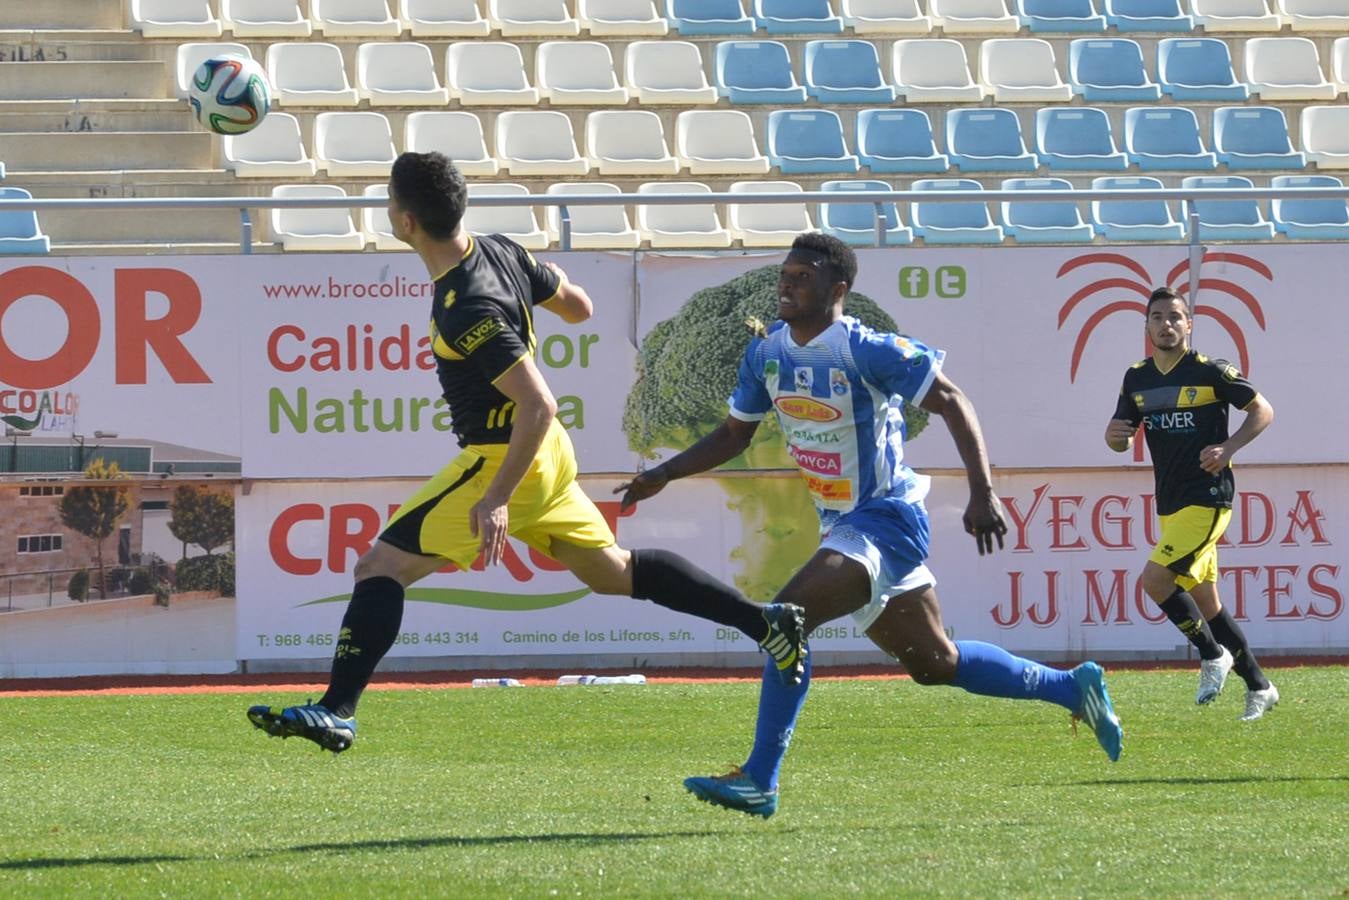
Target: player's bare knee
(927, 666)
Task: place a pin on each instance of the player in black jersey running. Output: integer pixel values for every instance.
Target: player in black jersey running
(516, 472)
(1181, 399)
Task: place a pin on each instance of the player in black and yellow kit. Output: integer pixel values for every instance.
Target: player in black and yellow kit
(516, 472)
(1181, 399)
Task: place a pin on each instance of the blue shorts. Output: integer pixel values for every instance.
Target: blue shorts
(889, 536)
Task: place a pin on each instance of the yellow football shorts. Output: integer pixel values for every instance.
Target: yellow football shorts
(1188, 544)
(548, 505)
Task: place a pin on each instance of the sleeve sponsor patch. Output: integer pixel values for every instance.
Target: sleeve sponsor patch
(1230, 373)
(479, 334)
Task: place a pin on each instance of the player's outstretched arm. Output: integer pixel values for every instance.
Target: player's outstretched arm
(984, 518)
(724, 443)
(571, 303)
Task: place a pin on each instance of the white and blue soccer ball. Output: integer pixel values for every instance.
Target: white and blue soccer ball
(230, 94)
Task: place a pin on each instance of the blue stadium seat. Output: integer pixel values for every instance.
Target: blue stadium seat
(1133, 220)
(1108, 70)
(1227, 220)
(1254, 137)
(797, 17)
(1059, 15)
(1076, 138)
(690, 17)
(898, 140)
(987, 140)
(1165, 137)
(1310, 219)
(1198, 69)
(1043, 222)
(855, 223)
(846, 72)
(1148, 15)
(19, 231)
(808, 140)
(949, 222)
(756, 72)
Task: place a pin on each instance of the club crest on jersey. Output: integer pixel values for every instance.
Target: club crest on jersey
(806, 408)
(838, 382)
(472, 339)
(805, 379)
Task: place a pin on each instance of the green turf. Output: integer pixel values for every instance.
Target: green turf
(891, 789)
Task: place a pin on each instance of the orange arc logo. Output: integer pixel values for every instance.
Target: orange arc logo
(808, 409)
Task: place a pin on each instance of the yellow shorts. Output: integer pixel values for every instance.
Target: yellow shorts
(1189, 544)
(547, 505)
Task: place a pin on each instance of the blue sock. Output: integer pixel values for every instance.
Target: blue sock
(990, 670)
(779, 705)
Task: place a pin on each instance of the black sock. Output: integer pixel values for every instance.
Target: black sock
(673, 582)
(1180, 608)
(1230, 635)
(368, 630)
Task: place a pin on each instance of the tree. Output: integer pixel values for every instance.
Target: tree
(95, 510)
(202, 516)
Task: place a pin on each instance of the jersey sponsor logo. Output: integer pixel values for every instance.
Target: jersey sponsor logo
(805, 379)
(817, 460)
(1230, 373)
(828, 490)
(807, 409)
(838, 382)
(810, 436)
(474, 338)
(1170, 421)
(449, 298)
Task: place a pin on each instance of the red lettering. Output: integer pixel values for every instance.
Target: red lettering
(1275, 588)
(342, 540)
(1060, 520)
(1304, 516)
(273, 353)
(1324, 589)
(1148, 610)
(1099, 603)
(1249, 503)
(82, 327)
(278, 539)
(1122, 525)
(1021, 522)
(135, 332)
(1240, 573)
(1150, 531)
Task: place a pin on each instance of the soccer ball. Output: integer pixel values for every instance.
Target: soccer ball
(229, 94)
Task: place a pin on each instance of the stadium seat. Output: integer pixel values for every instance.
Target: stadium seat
(1254, 137)
(191, 55)
(855, 223)
(264, 19)
(884, 17)
(488, 73)
(667, 72)
(515, 222)
(845, 72)
(398, 74)
(577, 73)
(680, 225)
(1311, 218)
(327, 228)
(592, 227)
(1059, 15)
(717, 142)
(538, 143)
(766, 224)
(1314, 15)
(19, 229)
(520, 18)
(694, 17)
(354, 18)
(1325, 135)
(987, 140)
(1133, 220)
(898, 140)
(455, 133)
(1109, 70)
(930, 70)
(353, 144)
(1198, 69)
(1165, 138)
(756, 72)
(952, 222)
(973, 17)
(174, 19)
(1022, 70)
(309, 73)
(808, 141)
(443, 18)
(611, 18)
(1147, 15)
(1227, 220)
(271, 150)
(1339, 64)
(1077, 138)
(1234, 15)
(375, 220)
(628, 142)
(796, 17)
(1286, 69)
(1043, 222)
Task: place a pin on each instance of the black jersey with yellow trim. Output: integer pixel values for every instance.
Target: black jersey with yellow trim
(482, 325)
(1182, 411)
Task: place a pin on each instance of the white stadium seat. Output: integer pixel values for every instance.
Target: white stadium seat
(538, 143)
(1022, 70)
(520, 18)
(309, 73)
(264, 18)
(400, 73)
(609, 18)
(974, 17)
(488, 73)
(174, 18)
(1234, 15)
(1339, 64)
(456, 133)
(593, 227)
(353, 144)
(931, 70)
(717, 142)
(767, 224)
(667, 72)
(314, 229)
(1286, 69)
(354, 18)
(274, 149)
(443, 18)
(680, 225)
(515, 222)
(191, 55)
(375, 221)
(1325, 136)
(1314, 15)
(577, 73)
(628, 142)
(885, 17)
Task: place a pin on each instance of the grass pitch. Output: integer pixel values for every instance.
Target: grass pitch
(891, 789)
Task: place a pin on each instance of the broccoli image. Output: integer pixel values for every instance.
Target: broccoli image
(686, 370)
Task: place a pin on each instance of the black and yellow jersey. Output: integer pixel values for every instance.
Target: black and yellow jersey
(482, 325)
(1182, 412)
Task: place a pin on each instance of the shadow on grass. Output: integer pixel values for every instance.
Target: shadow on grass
(67, 862)
(1200, 779)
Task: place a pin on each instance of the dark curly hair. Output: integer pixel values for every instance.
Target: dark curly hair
(838, 254)
(432, 190)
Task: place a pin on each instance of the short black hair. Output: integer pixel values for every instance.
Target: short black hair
(1166, 295)
(432, 189)
(839, 255)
